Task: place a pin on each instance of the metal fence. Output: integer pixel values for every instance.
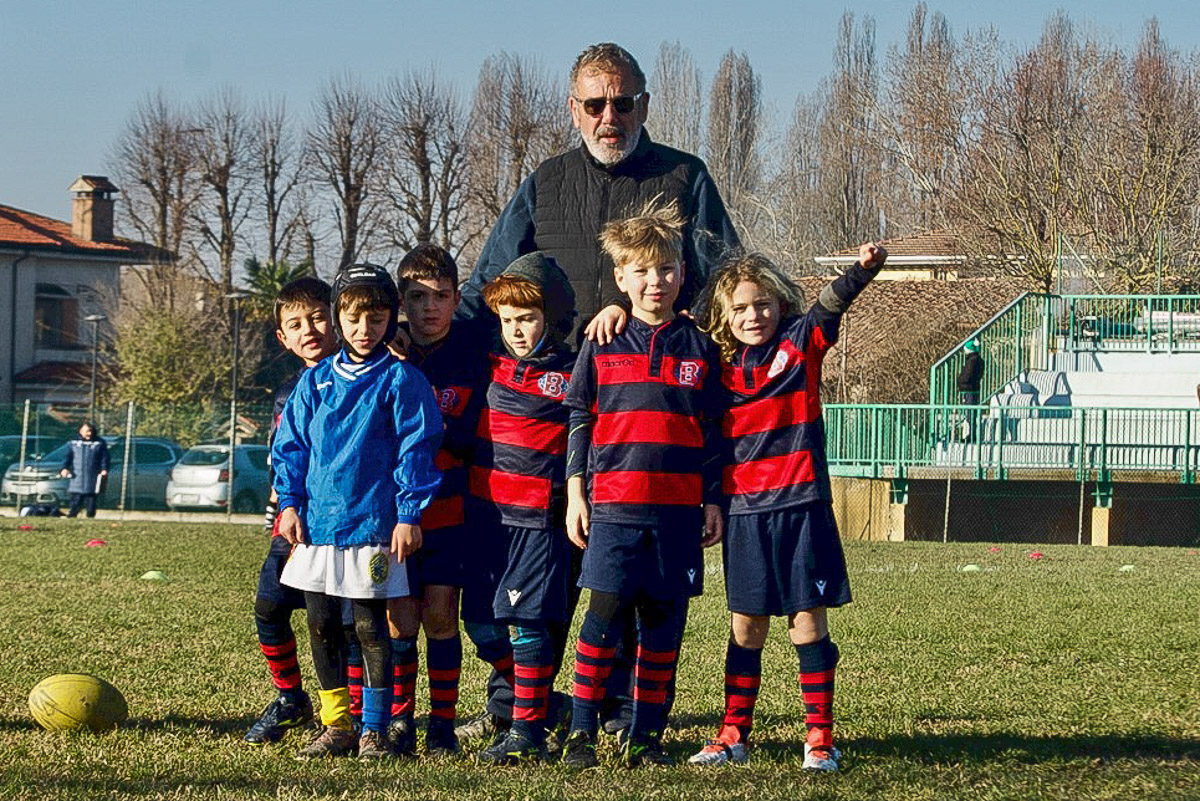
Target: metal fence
(876, 441)
(1036, 330)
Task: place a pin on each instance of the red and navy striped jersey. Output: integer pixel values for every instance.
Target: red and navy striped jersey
(642, 408)
(772, 426)
(520, 457)
(457, 368)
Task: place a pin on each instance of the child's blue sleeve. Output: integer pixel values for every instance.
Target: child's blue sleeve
(291, 448)
(419, 435)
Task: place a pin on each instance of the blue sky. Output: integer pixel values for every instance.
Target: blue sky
(71, 72)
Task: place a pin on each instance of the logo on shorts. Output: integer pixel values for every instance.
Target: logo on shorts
(553, 385)
(820, 587)
(780, 362)
(513, 597)
(689, 373)
(378, 568)
(691, 577)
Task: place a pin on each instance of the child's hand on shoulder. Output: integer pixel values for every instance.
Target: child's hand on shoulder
(399, 346)
(609, 322)
(406, 540)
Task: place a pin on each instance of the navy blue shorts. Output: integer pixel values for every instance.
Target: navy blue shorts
(269, 588)
(661, 562)
(537, 582)
(439, 563)
(785, 561)
(485, 558)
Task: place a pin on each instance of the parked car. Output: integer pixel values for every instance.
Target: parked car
(36, 447)
(201, 478)
(151, 460)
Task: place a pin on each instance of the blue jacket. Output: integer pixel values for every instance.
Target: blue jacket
(354, 449)
(85, 459)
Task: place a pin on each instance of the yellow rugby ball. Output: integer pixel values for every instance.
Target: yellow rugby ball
(77, 701)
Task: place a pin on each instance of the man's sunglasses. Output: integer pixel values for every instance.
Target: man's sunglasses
(594, 106)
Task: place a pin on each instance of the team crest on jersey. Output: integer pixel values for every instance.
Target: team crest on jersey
(553, 385)
(689, 373)
(447, 400)
(777, 365)
(378, 568)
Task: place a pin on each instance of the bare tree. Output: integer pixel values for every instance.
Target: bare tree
(518, 119)
(153, 163)
(794, 234)
(423, 162)
(732, 135)
(277, 162)
(678, 103)
(223, 146)
(343, 146)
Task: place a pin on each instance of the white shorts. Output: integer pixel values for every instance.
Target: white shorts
(363, 571)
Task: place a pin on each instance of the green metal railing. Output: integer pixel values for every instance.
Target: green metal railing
(1029, 332)
(875, 441)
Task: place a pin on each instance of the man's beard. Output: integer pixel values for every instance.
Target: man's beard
(608, 155)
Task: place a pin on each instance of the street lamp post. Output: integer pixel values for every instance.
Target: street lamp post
(95, 320)
(236, 297)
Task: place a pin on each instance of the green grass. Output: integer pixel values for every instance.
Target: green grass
(1063, 677)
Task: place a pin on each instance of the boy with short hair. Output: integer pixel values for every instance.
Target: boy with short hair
(642, 410)
(302, 326)
(518, 474)
(455, 363)
(354, 462)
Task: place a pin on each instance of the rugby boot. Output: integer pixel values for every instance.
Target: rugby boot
(285, 712)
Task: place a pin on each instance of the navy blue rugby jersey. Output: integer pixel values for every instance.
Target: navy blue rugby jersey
(643, 409)
(519, 463)
(457, 368)
(772, 426)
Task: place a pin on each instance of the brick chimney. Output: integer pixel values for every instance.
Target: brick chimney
(92, 208)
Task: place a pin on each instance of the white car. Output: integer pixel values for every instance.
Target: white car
(200, 480)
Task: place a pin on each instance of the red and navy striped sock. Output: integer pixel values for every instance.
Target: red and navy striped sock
(743, 675)
(497, 652)
(443, 662)
(404, 675)
(652, 674)
(281, 659)
(533, 654)
(818, 661)
(354, 671)
(593, 663)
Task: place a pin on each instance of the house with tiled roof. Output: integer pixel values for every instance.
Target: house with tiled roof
(54, 275)
(929, 256)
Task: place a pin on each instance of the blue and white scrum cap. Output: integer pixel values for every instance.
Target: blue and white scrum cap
(366, 274)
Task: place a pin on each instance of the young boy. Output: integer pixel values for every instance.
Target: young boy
(455, 363)
(354, 468)
(303, 329)
(642, 407)
(518, 475)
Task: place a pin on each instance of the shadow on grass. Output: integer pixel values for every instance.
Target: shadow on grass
(17, 724)
(934, 748)
(214, 726)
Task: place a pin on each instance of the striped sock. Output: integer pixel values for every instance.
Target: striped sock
(496, 651)
(743, 674)
(404, 674)
(652, 674)
(818, 661)
(281, 659)
(593, 663)
(443, 662)
(533, 654)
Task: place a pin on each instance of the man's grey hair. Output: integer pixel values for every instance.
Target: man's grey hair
(611, 58)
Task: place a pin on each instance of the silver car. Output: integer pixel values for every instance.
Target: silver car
(151, 459)
(201, 479)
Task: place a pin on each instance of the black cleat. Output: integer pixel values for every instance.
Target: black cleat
(402, 734)
(579, 752)
(440, 739)
(285, 712)
(483, 726)
(645, 749)
(514, 749)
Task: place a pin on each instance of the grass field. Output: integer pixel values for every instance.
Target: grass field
(1060, 677)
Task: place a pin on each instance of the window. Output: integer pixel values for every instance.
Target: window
(150, 453)
(56, 318)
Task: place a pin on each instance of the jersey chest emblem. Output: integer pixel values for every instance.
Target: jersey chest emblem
(553, 385)
(778, 363)
(688, 373)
